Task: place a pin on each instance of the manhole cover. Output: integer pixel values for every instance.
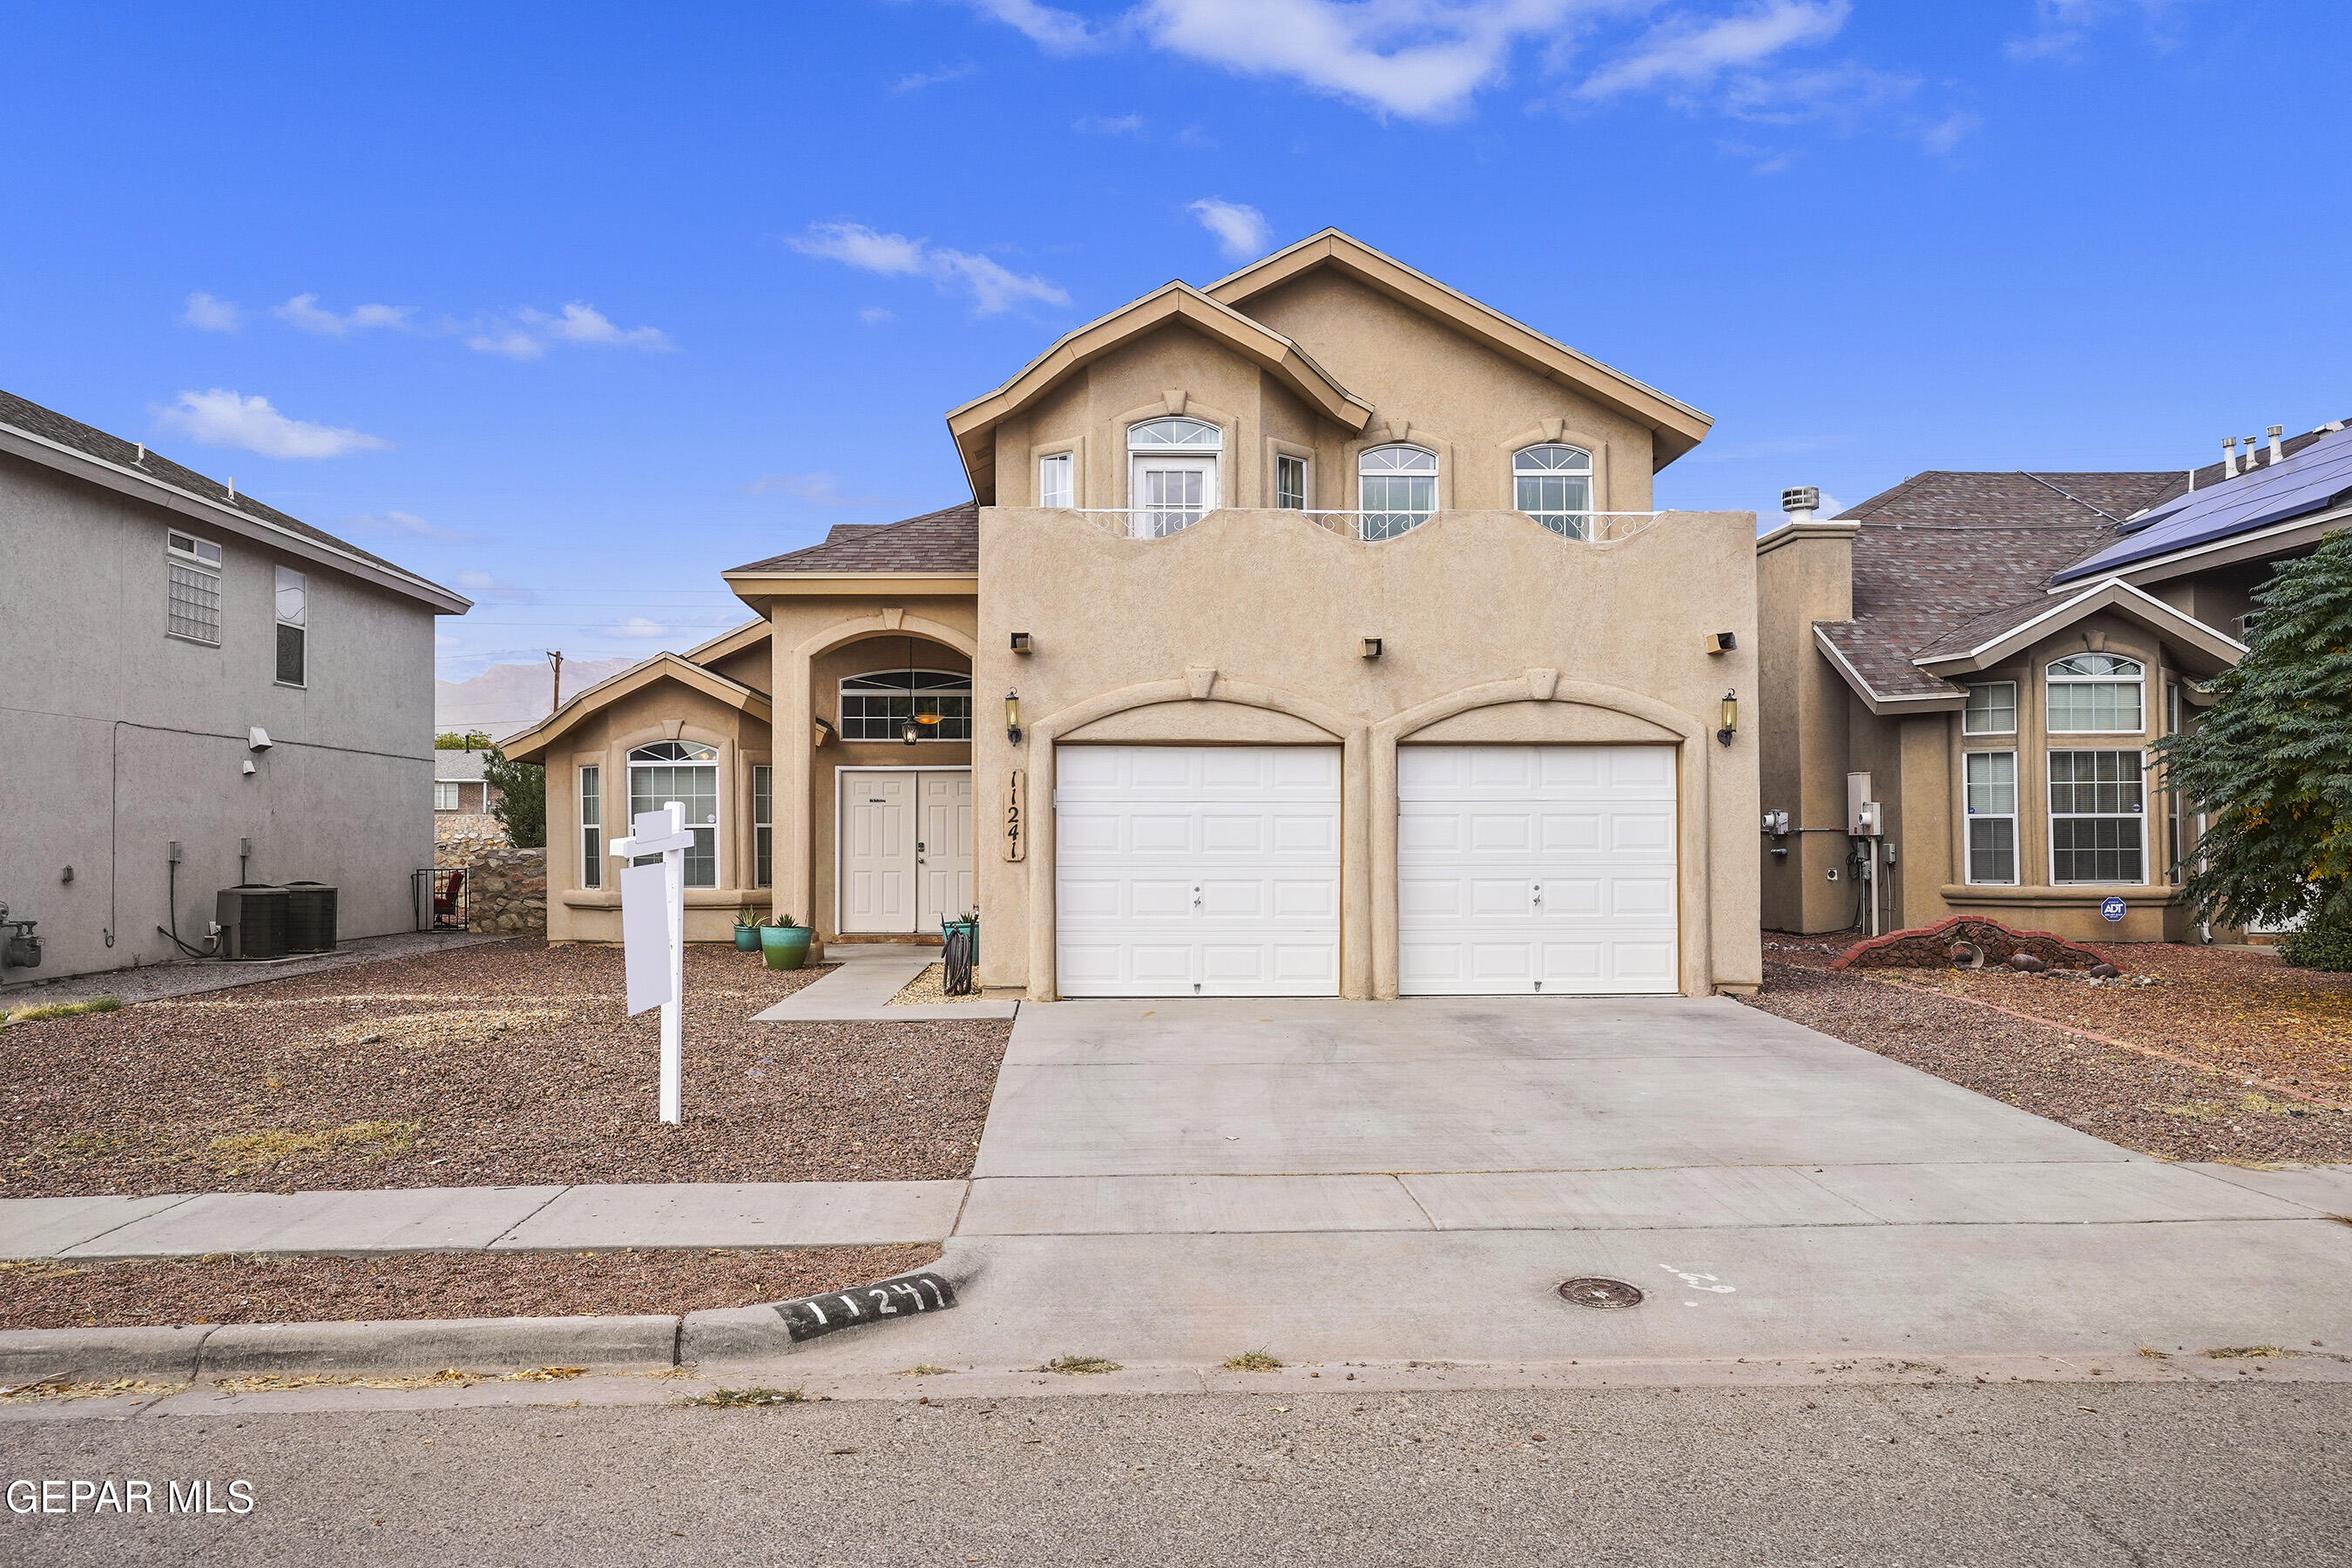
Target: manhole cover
(1591, 1293)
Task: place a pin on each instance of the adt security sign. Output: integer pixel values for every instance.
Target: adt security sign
(2111, 908)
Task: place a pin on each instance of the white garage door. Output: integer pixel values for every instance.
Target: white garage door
(1197, 870)
(1535, 868)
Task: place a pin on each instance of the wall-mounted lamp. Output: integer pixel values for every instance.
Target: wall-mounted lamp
(910, 731)
(1371, 647)
(1730, 717)
(1021, 643)
(1013, 716)
(1722, 642)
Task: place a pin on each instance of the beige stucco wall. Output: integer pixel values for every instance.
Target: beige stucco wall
(1191, 639)
(1803, 574)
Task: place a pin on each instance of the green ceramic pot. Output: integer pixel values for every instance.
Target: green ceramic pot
(784, 947)
(747, 938)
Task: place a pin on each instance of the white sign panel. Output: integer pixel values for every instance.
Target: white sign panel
(645, 935)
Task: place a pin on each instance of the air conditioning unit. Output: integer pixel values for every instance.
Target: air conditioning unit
(309, 917)
(252, 919)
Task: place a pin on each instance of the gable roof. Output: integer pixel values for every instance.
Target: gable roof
(1675, 427)
(938, 547)
(67, 445)
(970, 422)
(530, 745)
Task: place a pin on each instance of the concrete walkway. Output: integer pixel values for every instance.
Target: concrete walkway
(859, 992)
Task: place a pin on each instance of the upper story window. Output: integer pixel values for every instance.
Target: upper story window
(1171, 474)
(192, 590)
(879, 707)
(1289, 482)
(1053, 486)
(1991, 710)
(2096, 693)
(1397, 489)
(688, 772)
(1553, 484)
(293, 628)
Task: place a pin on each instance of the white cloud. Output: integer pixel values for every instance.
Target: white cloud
(222, 418)
(402, 522)
(303, 312)
(1843, 94)
(529, 332)
(992, 286)
(1948, 132)
(483, 585)
(1108, 125)
(2062, 25)
(916, 80)
(512, 341)
(1057, 32)
(635, 627)
(875, 315)
(815, 490)
(1687, 54)
(208, 314)
(1240, 230)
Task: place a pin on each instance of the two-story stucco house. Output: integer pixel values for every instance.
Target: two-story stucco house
(199, 690)
(1999, 652)
(1309, 634)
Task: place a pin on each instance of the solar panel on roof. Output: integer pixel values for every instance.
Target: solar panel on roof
(2306, 482)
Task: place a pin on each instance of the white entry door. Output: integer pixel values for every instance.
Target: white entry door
(1197, 870)
(906, 848)
(1536, 869)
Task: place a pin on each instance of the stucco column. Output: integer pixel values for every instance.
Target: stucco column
(1357, 882)
(1042, 935)
(1696, 850)
(796, 764)
(1380, 814)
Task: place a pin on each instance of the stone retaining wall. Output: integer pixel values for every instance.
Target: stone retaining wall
(507, 891)
(460, 839)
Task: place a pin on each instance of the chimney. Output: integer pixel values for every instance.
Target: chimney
(1799, 501)
(2229, 456)
(2277, 452)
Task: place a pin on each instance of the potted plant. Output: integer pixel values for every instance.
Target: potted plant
(783, 944)
(747, 929)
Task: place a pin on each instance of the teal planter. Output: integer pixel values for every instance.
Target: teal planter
(747, 938)
(784, 947)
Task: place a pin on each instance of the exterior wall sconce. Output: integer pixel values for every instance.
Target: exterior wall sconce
(1021, 643)
(910, 731)
(1013, 716)
(1730, 717)
(1722, 642)
(1371, 647)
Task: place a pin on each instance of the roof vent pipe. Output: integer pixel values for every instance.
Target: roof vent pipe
(2250, 454)
(1799, 501)
(2229, 456)
(2277, 452)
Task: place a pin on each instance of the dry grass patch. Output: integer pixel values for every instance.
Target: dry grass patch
(39, 1011)
(739, 1398)
(62, 1387)
(1253, 1361)
(1080, 1365)
(2248, 1352)
(282, 1149)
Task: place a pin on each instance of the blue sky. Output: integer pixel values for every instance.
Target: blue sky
(573, 307)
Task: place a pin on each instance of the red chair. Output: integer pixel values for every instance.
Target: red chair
(448, 897)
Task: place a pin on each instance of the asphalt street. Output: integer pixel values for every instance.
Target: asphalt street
(2064, 1474)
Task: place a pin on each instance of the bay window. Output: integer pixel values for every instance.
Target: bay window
(2098, 818)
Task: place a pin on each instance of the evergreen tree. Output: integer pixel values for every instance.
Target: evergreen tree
(521, 809)
(2272, 761)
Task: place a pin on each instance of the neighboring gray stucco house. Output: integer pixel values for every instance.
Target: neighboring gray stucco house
(154, 629)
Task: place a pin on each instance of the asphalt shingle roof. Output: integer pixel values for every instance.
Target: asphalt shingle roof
(93, 442)
(943, 541)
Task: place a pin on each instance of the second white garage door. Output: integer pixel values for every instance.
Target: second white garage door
(1535, 869)
(1197, 870)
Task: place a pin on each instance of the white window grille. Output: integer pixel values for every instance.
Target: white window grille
(592, 827)
(1553, 485)
(1054, 487)
(1991, 789)
(1399, 488)
(878, 706)
(1289, 482)
(763, 832)
(686, 773)
(445, 795)
(293, 628)
(1991, 710)
(1171, 474)
(2096, 693)
(2098, 818)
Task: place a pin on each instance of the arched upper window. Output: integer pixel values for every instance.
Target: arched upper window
(1397, 489)
(1553, 484)
(880, 706)
(1172, 479)
(685, 771)
(2097, 693)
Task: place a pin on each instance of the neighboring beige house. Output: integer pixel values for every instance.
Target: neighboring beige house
(1307, 634)
(1998, 652)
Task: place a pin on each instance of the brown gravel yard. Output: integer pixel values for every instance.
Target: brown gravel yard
(2267, 1050)
(54, 1295)
(504, 1064)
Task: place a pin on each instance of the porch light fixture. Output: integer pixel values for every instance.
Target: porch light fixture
(917, 720)
(1730, 717)
(1013, 716)
(1021, 643)
(1722, 642)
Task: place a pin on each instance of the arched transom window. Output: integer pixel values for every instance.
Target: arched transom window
(2096, 693)
(1553, 484)
(1397, 489)
(685, 771)
(880, 706)
(1171, 474)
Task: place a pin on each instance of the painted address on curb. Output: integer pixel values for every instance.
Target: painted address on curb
(905, 1295)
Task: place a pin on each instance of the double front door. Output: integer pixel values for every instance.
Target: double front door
(906, 848)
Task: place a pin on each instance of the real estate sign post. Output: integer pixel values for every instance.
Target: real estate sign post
(653, 933)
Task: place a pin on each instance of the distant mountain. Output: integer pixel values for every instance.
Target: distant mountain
(507, 697)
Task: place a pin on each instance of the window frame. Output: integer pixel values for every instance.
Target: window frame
(456, 802)
(298, 624)
(2051, 680)
(588, 791)
(763, 825)
(1581, 519)
(1285, 463)
(2052, 815)
(1204, 457)
(1067, 461)
(1970, 711)
(210, 569)
(1366, 511)
(714, 826)
(1970, 816)
(932, 734)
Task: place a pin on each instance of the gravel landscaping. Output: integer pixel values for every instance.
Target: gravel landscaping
(508, 1063)
(56, 1295)
(2265, 1051)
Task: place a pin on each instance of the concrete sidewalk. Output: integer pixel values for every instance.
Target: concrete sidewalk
(859, 992)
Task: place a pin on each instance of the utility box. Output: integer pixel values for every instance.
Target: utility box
(1862, 814)
(253, 921)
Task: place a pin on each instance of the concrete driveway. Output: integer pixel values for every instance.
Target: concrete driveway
(1177, 1181)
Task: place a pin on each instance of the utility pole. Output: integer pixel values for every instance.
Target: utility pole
(555, 658)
